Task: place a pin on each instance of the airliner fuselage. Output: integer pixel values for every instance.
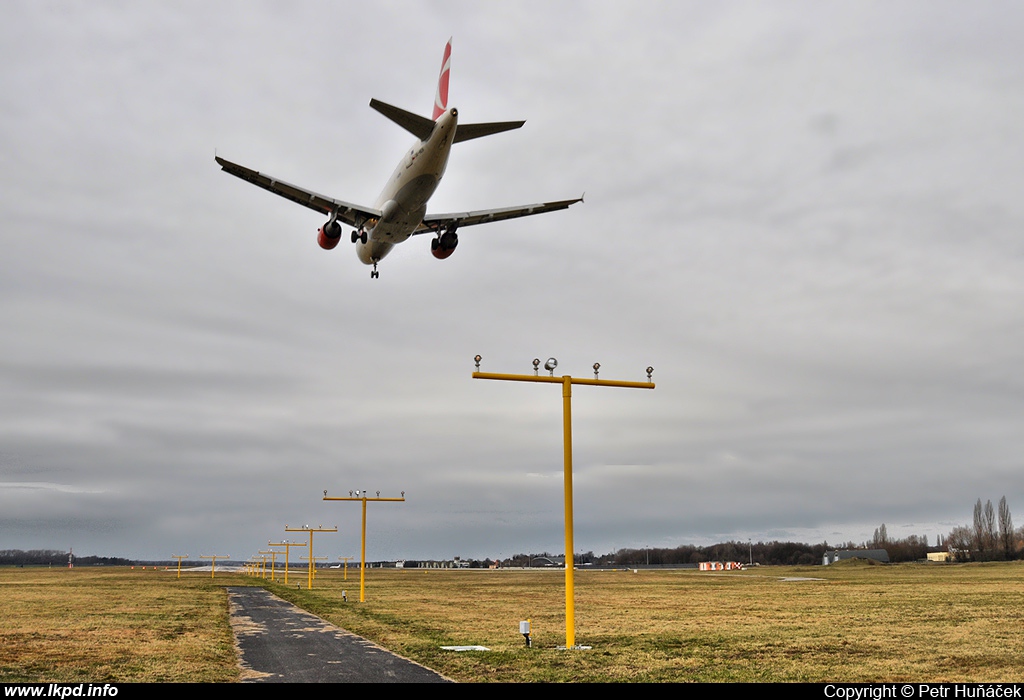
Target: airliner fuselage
(403, 202)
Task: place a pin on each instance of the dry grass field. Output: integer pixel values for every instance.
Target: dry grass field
(915, 622)
(857, 622)
(117, 624)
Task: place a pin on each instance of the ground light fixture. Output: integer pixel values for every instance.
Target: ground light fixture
(566, 381)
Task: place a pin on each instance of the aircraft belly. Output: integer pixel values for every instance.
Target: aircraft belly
(372, 251)
(391, 234)
(414, 194)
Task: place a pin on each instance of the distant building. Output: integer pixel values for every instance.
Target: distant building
(841, 554)
(938, 556)
(720, 566)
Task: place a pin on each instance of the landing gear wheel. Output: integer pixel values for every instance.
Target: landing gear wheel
(362, 237)
(373, 273)
(355, 236)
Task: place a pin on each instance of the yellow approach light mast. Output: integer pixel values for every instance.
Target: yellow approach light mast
(566, 381)
(357, 495)
(179, 557)
(287, 549)
(273, 562)
(346, 560)
(310, 530)
(213, 563)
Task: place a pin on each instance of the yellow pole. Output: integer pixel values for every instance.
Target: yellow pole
(179, 557)
(362, 569)
(570, 593)
(309, 585)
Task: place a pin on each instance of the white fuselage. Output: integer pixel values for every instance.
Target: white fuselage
(403, 202)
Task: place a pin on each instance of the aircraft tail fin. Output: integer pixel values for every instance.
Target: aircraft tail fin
(441, 97)
(422, 128)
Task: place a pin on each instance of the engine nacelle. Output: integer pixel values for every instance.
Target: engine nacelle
(443, 246)
(328, 235)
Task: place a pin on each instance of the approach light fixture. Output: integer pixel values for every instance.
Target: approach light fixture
(364, 498)
(477, 361)
(567, 381)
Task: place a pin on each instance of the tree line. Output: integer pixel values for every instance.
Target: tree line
(991, 537)
(54, 557)
(764, 553)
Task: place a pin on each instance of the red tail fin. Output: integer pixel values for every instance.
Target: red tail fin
(441, 98)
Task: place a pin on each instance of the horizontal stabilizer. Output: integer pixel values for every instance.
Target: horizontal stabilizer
(418, 126)
(465, 132)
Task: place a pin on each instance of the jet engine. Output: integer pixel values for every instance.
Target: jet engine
(444, 245)
(328, 235)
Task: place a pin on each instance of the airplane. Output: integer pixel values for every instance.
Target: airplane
(401, 209)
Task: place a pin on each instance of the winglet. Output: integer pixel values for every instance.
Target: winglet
(441, 97)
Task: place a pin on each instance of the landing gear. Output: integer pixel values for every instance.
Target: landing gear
(359, 236)
(373, 273)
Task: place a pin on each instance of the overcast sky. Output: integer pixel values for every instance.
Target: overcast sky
(806, 216)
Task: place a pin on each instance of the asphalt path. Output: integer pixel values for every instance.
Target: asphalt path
(280, 643)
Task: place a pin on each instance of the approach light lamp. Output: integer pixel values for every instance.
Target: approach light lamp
(550, 365)
(524, 629)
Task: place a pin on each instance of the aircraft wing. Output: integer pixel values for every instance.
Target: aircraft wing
(351, 214)
(432, 222)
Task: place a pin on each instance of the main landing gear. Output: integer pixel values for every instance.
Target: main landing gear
(359, 236)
